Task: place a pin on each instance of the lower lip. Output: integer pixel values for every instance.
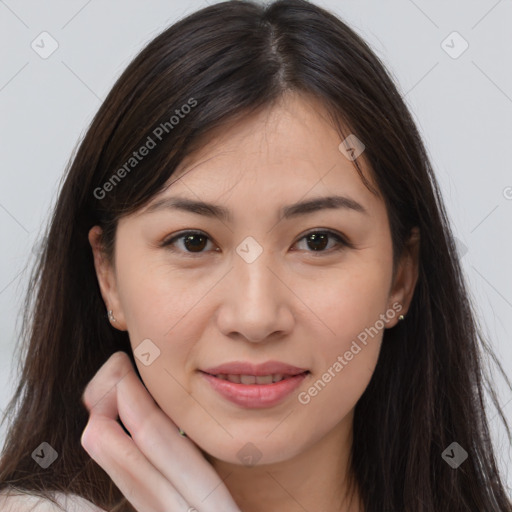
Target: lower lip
(255, 396)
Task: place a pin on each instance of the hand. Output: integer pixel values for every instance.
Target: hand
(156, 469)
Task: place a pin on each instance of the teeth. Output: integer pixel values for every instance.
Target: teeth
(263, 379)
(253, 379)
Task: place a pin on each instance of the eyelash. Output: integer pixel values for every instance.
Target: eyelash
(341, 241)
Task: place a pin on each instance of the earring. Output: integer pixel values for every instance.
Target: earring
(111, 316)
(401, 317)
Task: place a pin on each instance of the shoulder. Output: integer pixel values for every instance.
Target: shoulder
(17, 501)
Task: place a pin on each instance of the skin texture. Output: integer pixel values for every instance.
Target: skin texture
(291, 304)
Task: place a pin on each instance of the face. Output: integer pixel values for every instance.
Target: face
(307, 287)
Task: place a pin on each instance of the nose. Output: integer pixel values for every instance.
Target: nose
(256, 304)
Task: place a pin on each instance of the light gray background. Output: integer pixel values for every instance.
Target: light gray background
(463, 107)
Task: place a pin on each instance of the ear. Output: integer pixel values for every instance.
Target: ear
(402, 288)
(105, 273)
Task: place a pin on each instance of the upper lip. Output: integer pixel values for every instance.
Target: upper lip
(246, 368)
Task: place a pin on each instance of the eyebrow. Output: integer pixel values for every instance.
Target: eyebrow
(286, 212)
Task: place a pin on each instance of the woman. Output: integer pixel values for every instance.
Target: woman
(249, 297)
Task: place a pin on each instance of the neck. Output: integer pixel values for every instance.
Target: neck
(314, 479)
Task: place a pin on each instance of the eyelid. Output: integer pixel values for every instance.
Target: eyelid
(182, 233)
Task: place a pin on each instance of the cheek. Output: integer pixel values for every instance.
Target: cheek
(156, 297)
(166, 377)
(163, 306)
(347, 302)
(352, 306)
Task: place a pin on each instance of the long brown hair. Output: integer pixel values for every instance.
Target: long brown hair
(233, 58)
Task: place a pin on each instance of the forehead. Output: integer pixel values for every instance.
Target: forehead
(291, 148)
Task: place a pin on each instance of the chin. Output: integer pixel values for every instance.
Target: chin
(249, 451)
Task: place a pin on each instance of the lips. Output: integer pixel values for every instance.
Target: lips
(255, 386)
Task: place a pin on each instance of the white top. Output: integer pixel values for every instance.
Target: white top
(29, 502)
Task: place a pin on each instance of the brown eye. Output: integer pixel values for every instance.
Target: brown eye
(319, 241)
(191, 242)
(194, 243)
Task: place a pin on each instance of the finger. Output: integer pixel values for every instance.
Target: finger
(107, 443)
(103, 393)
(144, 487)
(98, 392)
(175, 456)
